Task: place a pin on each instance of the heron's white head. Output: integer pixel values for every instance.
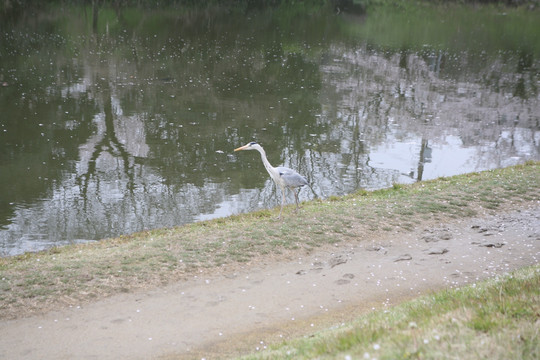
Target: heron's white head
(250, 146)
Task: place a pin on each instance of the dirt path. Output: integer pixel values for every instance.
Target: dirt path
(214, 316)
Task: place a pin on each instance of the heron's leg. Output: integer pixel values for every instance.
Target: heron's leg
(296, 198)
(282, 201)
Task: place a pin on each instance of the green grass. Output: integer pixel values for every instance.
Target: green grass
(495, 319)
(153, 258)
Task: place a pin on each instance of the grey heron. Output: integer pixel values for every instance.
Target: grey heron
(282, 176)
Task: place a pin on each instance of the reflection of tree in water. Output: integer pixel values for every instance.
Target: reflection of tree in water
(526, 84)
(419, 99)
(109, 143)
(425, 156)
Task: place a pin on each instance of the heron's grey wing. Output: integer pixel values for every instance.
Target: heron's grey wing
(291, 178)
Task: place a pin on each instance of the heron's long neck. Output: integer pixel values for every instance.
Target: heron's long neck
(266, 163)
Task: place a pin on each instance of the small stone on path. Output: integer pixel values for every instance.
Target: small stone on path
(337, 260)
(404, 257)
(437, 251)
(495, 244)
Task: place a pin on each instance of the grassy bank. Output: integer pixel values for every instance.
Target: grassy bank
(35, 282)
(495, 319)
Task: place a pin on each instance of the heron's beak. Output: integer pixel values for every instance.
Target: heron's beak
(241, 148)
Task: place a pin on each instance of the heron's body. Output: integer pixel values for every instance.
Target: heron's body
(282, 176)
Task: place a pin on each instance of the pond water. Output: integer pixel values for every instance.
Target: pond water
(119, 120)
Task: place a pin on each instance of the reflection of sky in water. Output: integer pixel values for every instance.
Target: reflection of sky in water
(448, 158)
(226, 208)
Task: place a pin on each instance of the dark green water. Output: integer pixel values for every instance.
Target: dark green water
(122, 120)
